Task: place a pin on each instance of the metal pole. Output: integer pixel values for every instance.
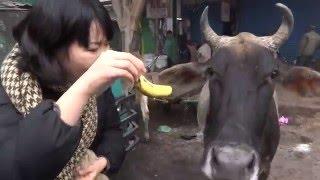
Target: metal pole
(174, 17)
(156, 29)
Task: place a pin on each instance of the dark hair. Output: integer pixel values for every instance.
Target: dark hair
(49, 29)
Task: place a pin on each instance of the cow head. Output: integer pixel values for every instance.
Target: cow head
(241, 97)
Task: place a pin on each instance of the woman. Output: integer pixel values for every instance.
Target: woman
(55, 100)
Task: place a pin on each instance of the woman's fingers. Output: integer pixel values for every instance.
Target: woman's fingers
(134, 60)
(96, 167)
(89, 176)
(120, 73)
(101, 163)
(110, 66)
(126, 65)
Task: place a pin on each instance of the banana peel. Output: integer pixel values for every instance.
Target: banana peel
(152, 90)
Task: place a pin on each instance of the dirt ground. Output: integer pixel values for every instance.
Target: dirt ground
(168, 157)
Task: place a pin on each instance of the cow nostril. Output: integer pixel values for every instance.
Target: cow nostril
(251, 163)
(215, 160)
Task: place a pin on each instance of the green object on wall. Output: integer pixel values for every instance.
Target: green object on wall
(117, 88)
(147, 38)
(3, 44)
(31, 2)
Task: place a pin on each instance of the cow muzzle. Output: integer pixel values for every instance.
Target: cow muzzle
(231, 162)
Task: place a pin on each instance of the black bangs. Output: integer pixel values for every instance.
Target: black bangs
(53, 24)
(92, 11)
(50, 27)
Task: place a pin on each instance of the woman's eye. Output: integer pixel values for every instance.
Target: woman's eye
(275, 73)
(93, 49)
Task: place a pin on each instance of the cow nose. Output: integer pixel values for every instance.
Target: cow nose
(233, 159)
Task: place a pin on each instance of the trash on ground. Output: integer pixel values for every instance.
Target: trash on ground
(164, 129)
(303, 148)
(283, 120)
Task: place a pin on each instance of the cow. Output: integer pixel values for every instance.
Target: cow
(237, 109)
(190, 79)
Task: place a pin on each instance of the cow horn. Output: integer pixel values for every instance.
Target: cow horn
(275, 41)
(210, 36)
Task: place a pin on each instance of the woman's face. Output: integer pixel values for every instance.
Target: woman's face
(81, 58)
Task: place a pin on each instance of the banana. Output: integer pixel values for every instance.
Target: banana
(152, 90)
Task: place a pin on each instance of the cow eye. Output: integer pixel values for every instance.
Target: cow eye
(210, 71)
(275, 73)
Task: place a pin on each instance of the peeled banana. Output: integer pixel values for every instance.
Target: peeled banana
(152, 90)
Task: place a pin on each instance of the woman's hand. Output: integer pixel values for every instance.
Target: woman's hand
(110, 66)
(91, 171)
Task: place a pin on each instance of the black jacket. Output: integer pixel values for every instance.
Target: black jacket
(39, 145)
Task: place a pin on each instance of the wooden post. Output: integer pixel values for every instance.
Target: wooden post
(229, 17)
(128, 17)
(128, 14)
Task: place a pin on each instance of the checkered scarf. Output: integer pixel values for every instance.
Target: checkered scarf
(25, 93)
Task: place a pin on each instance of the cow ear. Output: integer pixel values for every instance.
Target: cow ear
(186, 79)
(302, 80)
(200, 57)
